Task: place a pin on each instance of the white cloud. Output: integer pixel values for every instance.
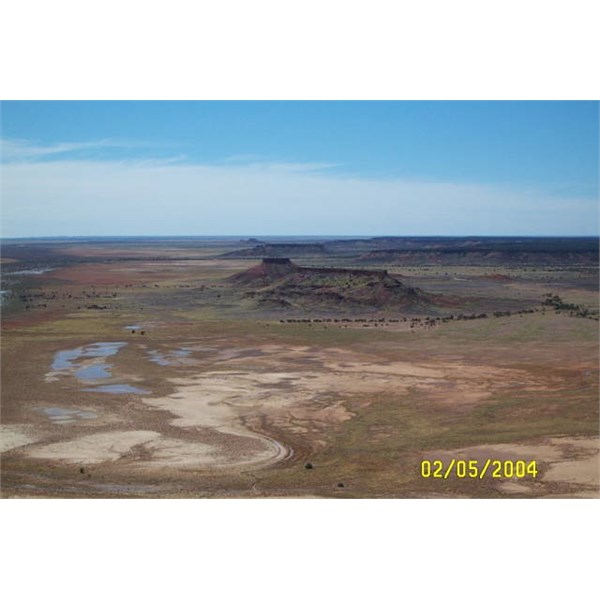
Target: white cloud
(84, 197)
(19, 150)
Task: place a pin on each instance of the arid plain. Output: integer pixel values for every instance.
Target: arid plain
(178, 368)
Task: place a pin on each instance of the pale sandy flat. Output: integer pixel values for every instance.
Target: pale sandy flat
(585, 471)
(95, 448)
(174, 453)
(337, 370)
(169, 452)
(14, 436)
(308, 393)
(510, 487)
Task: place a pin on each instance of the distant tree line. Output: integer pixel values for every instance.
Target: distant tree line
(575, 310)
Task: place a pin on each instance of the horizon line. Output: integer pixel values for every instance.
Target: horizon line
(250, 236)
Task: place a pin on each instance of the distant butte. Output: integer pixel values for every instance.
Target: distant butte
(278, 251)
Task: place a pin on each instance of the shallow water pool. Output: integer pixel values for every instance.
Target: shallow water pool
(117, 388)
(92, 372)
(66, 415)
(63, 359)
(167, 359)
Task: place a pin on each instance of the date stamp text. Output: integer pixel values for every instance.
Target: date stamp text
(476, 469)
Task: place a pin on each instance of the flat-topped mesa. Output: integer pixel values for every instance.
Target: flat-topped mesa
(268, 270)
(272, 269)
(278, 282)
(378, 273)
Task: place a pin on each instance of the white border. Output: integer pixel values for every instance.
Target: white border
(309, 49)
(299, 549)
(299, 50)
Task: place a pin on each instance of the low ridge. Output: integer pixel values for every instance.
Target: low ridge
(496, 256)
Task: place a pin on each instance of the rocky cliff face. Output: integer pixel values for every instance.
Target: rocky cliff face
(268, 271)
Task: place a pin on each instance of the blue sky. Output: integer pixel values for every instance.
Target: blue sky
(299, 168)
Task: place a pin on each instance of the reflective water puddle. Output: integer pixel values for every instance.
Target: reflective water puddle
(66, 415)
(64, 359)
(76, 361)
(171, 358)
(117, 388)
(93, 372)
(29, 272)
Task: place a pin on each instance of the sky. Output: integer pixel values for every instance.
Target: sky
(298, 168)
